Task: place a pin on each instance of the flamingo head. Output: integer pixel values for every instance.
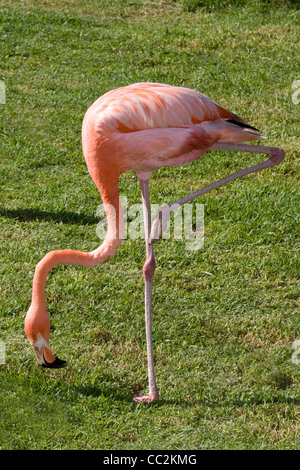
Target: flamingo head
(44, 355)
(37, 329)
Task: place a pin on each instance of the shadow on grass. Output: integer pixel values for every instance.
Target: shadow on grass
(119, 392)
(27, 215)
(116, 392)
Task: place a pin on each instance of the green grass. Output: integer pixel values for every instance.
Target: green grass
(223, 340)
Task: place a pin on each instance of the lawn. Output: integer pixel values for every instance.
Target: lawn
(225, 317)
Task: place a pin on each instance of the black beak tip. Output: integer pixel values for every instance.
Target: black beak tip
(56, 364)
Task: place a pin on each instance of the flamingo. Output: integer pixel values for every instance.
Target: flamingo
(142, 127)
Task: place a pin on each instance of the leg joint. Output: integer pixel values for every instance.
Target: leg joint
(277, 155)
(149, 267)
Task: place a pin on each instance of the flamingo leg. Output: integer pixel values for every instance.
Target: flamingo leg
(148, 271)
(163, 215)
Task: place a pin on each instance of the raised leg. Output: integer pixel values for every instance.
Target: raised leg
(148, 271)
(163, 215)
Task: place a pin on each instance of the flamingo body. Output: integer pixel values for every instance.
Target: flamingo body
(141, 127)
(146, 126)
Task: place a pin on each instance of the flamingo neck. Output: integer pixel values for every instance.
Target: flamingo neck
(115, 231)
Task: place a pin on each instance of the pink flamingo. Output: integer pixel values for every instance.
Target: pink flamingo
(142, 127)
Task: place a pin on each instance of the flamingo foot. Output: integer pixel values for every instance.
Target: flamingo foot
(146, 398)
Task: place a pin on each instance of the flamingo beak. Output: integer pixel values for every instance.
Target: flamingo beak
(56, 364)
(41, 346)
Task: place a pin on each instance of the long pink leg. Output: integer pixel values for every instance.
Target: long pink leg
(148, 271)
(276, 156)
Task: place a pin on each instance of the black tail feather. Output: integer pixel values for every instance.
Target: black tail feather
(242, 124)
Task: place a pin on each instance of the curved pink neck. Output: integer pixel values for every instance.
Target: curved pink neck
(115, 231)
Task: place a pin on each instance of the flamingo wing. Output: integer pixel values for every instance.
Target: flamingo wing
(151, 105)
(149, 125)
